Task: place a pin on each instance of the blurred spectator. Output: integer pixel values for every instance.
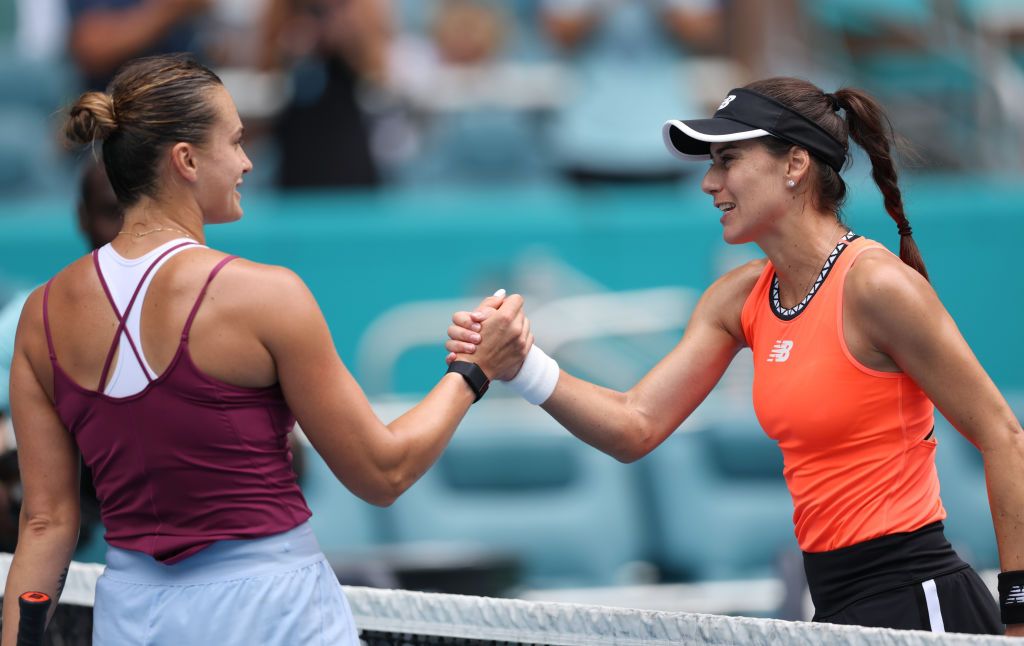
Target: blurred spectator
(627, 56)
(768, 39)
(99, 214)
(477, 95)
(231, 34)
(107, 33)
(332, 48)
(468, 32)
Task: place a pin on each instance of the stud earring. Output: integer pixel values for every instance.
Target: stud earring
(791, 183)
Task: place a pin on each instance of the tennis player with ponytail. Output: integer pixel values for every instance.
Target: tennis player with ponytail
(851, 347)
(178, 371)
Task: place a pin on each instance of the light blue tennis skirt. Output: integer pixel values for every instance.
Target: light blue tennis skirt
(273, 590)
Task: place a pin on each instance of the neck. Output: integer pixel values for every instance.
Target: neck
(798, 252)
(151, 222)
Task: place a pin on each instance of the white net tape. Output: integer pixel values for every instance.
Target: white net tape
(574, 625)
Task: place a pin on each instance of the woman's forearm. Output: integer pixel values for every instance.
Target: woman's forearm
(420, 435)
(601, 417)
(1004, 462)
(40, 565)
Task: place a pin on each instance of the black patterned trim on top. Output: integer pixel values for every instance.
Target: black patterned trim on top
(788, 314)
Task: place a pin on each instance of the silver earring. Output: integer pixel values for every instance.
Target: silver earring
(791, 183)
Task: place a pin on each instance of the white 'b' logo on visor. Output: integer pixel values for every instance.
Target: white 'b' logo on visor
(729, 99)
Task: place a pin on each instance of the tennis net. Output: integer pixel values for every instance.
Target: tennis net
(407, 618)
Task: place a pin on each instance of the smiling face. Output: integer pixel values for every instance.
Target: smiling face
(748, 185)
(221, 162)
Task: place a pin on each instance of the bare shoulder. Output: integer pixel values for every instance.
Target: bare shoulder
(730, 291)
(31, 317)
(722, 302)
(76, 277)
(69, 284)
(739, 281)
(249, 280)
(265, 295)
(885, 298)
(879, 283)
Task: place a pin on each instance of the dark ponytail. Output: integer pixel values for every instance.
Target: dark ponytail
(868, 126)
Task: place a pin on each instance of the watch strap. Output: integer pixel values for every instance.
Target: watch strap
(474, 376)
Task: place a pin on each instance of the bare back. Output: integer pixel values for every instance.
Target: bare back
(223, 342)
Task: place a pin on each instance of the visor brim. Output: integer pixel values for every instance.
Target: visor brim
(691, 140)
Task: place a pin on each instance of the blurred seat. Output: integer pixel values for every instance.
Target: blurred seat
(965, 497)
(721, 503)
(42, 85)
(34, 93)
(29, 159)
(964, 492)
(491, 144)
(513, 480)
(913, 56)
(996, 33)
(341, 521)
(864, 16)
(94, 549)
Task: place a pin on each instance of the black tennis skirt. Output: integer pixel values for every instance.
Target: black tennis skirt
(912, 580)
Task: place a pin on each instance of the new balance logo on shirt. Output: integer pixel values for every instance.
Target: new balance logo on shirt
(780, 351)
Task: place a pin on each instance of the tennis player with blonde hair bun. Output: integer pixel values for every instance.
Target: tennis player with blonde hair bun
(177, 371)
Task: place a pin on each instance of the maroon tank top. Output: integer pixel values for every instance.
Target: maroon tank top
(189, 460)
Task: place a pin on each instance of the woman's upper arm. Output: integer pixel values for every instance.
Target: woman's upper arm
(47, 453)
(324, 397)
(901, 315)
(671, 391)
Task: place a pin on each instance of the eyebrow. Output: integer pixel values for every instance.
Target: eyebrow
(723, 149)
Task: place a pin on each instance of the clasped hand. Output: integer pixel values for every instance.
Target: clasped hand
(496, 336)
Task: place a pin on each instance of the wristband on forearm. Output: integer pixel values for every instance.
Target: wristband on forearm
(1011, 597)
(537, 378)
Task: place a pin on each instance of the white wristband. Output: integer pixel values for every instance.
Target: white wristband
(537, 378)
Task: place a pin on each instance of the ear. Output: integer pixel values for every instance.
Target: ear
(798, 164)
(183, 161)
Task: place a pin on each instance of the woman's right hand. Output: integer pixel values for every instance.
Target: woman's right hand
(496, 336)
(464, 332)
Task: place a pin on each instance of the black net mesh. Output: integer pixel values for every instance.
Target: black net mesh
(381, 638)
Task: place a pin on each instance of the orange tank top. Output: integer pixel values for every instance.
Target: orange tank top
(857, 463)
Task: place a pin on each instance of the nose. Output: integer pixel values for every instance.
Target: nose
(247, 165)
(710, 184)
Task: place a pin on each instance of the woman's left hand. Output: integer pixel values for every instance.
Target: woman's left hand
(464, 332)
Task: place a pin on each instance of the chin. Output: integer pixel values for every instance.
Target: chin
(732, 238)
(737, 236)
(226, 216)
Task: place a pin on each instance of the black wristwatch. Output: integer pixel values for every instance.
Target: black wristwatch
(474, 376)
